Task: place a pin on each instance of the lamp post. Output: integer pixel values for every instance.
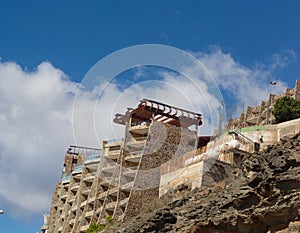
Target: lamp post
(221, 118)
(1, 212)
(272, 84)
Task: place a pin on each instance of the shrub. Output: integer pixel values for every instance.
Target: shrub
(110, 220)
(95, 228)
(286, 109)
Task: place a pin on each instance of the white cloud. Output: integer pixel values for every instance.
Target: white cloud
(36, 117)
(247, 85)
(35, 127)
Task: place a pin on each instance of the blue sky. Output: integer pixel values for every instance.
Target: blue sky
(258, 39)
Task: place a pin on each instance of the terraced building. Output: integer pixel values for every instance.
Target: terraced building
(99, 185)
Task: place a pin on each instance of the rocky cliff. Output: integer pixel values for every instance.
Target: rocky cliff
(262, 196)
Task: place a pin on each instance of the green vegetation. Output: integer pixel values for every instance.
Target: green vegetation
(95, 228)
(252, 128)
(286, 109)
(110, 220)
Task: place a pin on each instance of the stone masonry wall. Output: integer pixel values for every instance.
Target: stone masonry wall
(164, 143)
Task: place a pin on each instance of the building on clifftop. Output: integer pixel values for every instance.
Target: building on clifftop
(99, 185)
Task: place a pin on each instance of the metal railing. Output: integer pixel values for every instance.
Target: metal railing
(66, 179)
(92, 157)
(140, 138)
(138, 153)
(77, 169)
(115, 140)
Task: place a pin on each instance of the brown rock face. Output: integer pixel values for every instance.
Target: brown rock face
(264, 196)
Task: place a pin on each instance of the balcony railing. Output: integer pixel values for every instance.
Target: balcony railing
(77, 169)
(72, 221)
(72, 199)
(92, 157)
(64, 196)
(124, 202)
(91, 200)
(141, 128)
(66, 179)
(89, 213)
(115, 140)
(89, 177)
(137, 142)
(75, 186)
(110, 206)
(140, 138)
(83, 203)
(138, 152)
(84, 228)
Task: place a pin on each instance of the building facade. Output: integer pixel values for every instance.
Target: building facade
(109, 184)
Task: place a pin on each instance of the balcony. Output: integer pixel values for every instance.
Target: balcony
(44, 227)
(105, 182)
(85, 192)
(137, 143)
(84, 228)
(103, 195)
(83, 203)
(89, 214)
(77, 170)
(134, 157)
(109, 168)
(64, 196)
(116, 141)
(123, 202)
(74, 208)
(89, 178)
(92, 158)
(127, 187)
(129, 172)
(71, 200)
(110, 206)
(91, 200)
(139, 128)
(75, 186)
(77, 177)
(66, 180)
(112, 154)
(113, 191)
(72, 221)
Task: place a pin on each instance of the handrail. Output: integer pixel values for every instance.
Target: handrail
(78, 169)
(255, 144)
(140, 138)
(92, 157)
(115, 140)
(66, 179)
(241, 135)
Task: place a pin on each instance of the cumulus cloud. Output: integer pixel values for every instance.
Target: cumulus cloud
(36, 116)
(246, 85)
(35, 124)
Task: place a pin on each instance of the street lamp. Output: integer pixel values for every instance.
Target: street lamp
(273, 84)
(1, 212)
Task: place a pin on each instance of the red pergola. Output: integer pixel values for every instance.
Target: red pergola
(148, 109)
